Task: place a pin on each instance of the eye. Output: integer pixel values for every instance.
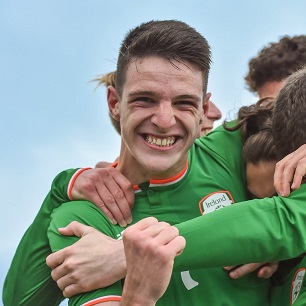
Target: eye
(144, 99)
(187, 104)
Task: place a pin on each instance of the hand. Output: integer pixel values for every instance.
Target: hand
(109, 190)
(150, 248)
(290, 171)
(265, 270)
(81, 266)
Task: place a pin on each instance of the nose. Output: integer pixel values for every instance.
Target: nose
(214, 112)
(163, 116)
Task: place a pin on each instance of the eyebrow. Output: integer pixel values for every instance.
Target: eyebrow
(141, 93)
(150, 93)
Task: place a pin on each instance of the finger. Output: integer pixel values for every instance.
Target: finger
(281, 181)
(55, 259)
(267, 270)
(127, 188)
(76, 228)
(243, 270)
(160, 231)
(114, 190)
(228, 268)
(278, 178)
(290, 169)
(67, 281)
(166, 233)
(142, 224)
(104, 200)
(299, 174)
(122, 192)
(72, 290)
(115, 203)
(176, 246)
(136, 231)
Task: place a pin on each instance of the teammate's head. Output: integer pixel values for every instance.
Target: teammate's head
(259, 154)
(274, 63)
(289, 119)
(170, 39)
(211, 116)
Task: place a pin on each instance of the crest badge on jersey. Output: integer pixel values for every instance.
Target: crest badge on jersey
(215, 201)
(296, 284)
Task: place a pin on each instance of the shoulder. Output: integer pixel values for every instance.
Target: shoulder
(81, 211)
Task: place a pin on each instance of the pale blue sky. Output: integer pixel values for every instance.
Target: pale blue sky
(51, 117)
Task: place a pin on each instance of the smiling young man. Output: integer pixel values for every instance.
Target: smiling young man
(175, 180)
(160, 99)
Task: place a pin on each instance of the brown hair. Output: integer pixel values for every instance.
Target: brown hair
(170, 39)
(289, 118)
(255, 123)
(276, 61)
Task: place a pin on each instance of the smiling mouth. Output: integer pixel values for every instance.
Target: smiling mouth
(160, 142)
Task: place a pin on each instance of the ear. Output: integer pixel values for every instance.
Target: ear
(206, 104)
(113, 102)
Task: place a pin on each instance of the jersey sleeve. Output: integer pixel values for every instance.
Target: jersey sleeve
(88, 214)
(28, 281)
(252, 231)
(227, 145)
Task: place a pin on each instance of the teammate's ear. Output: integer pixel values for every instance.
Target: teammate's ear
(113, 102)
(206, 104)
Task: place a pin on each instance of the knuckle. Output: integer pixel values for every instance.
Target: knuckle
(118, 193)
(127, 185)
(109, 199)
(69, 265)
(279, 165)
(72, 224)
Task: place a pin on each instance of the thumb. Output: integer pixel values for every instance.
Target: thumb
(75, 229)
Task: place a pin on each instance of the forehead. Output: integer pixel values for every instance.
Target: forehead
(152, 73)
(270, 89)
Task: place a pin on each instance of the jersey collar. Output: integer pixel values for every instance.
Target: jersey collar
(163, 182)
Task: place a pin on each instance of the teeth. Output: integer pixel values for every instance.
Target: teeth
(165, 142)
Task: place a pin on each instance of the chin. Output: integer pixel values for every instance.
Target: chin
(205, 131)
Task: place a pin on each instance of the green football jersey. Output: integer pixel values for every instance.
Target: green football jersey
(28, 281)
(254, 231)
(244, 233)
(289, 283)
(208, 183)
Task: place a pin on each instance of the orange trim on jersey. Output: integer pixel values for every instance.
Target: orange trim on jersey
(72, 181)
(209, 195)
(162, 181)
(103, 299)
(292, 283)
(171, 179)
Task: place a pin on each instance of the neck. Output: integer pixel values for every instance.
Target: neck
(138, 174)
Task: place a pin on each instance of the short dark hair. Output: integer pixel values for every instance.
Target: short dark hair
(255, 124)
(289, 118)
(276, 61)
(170, 39)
